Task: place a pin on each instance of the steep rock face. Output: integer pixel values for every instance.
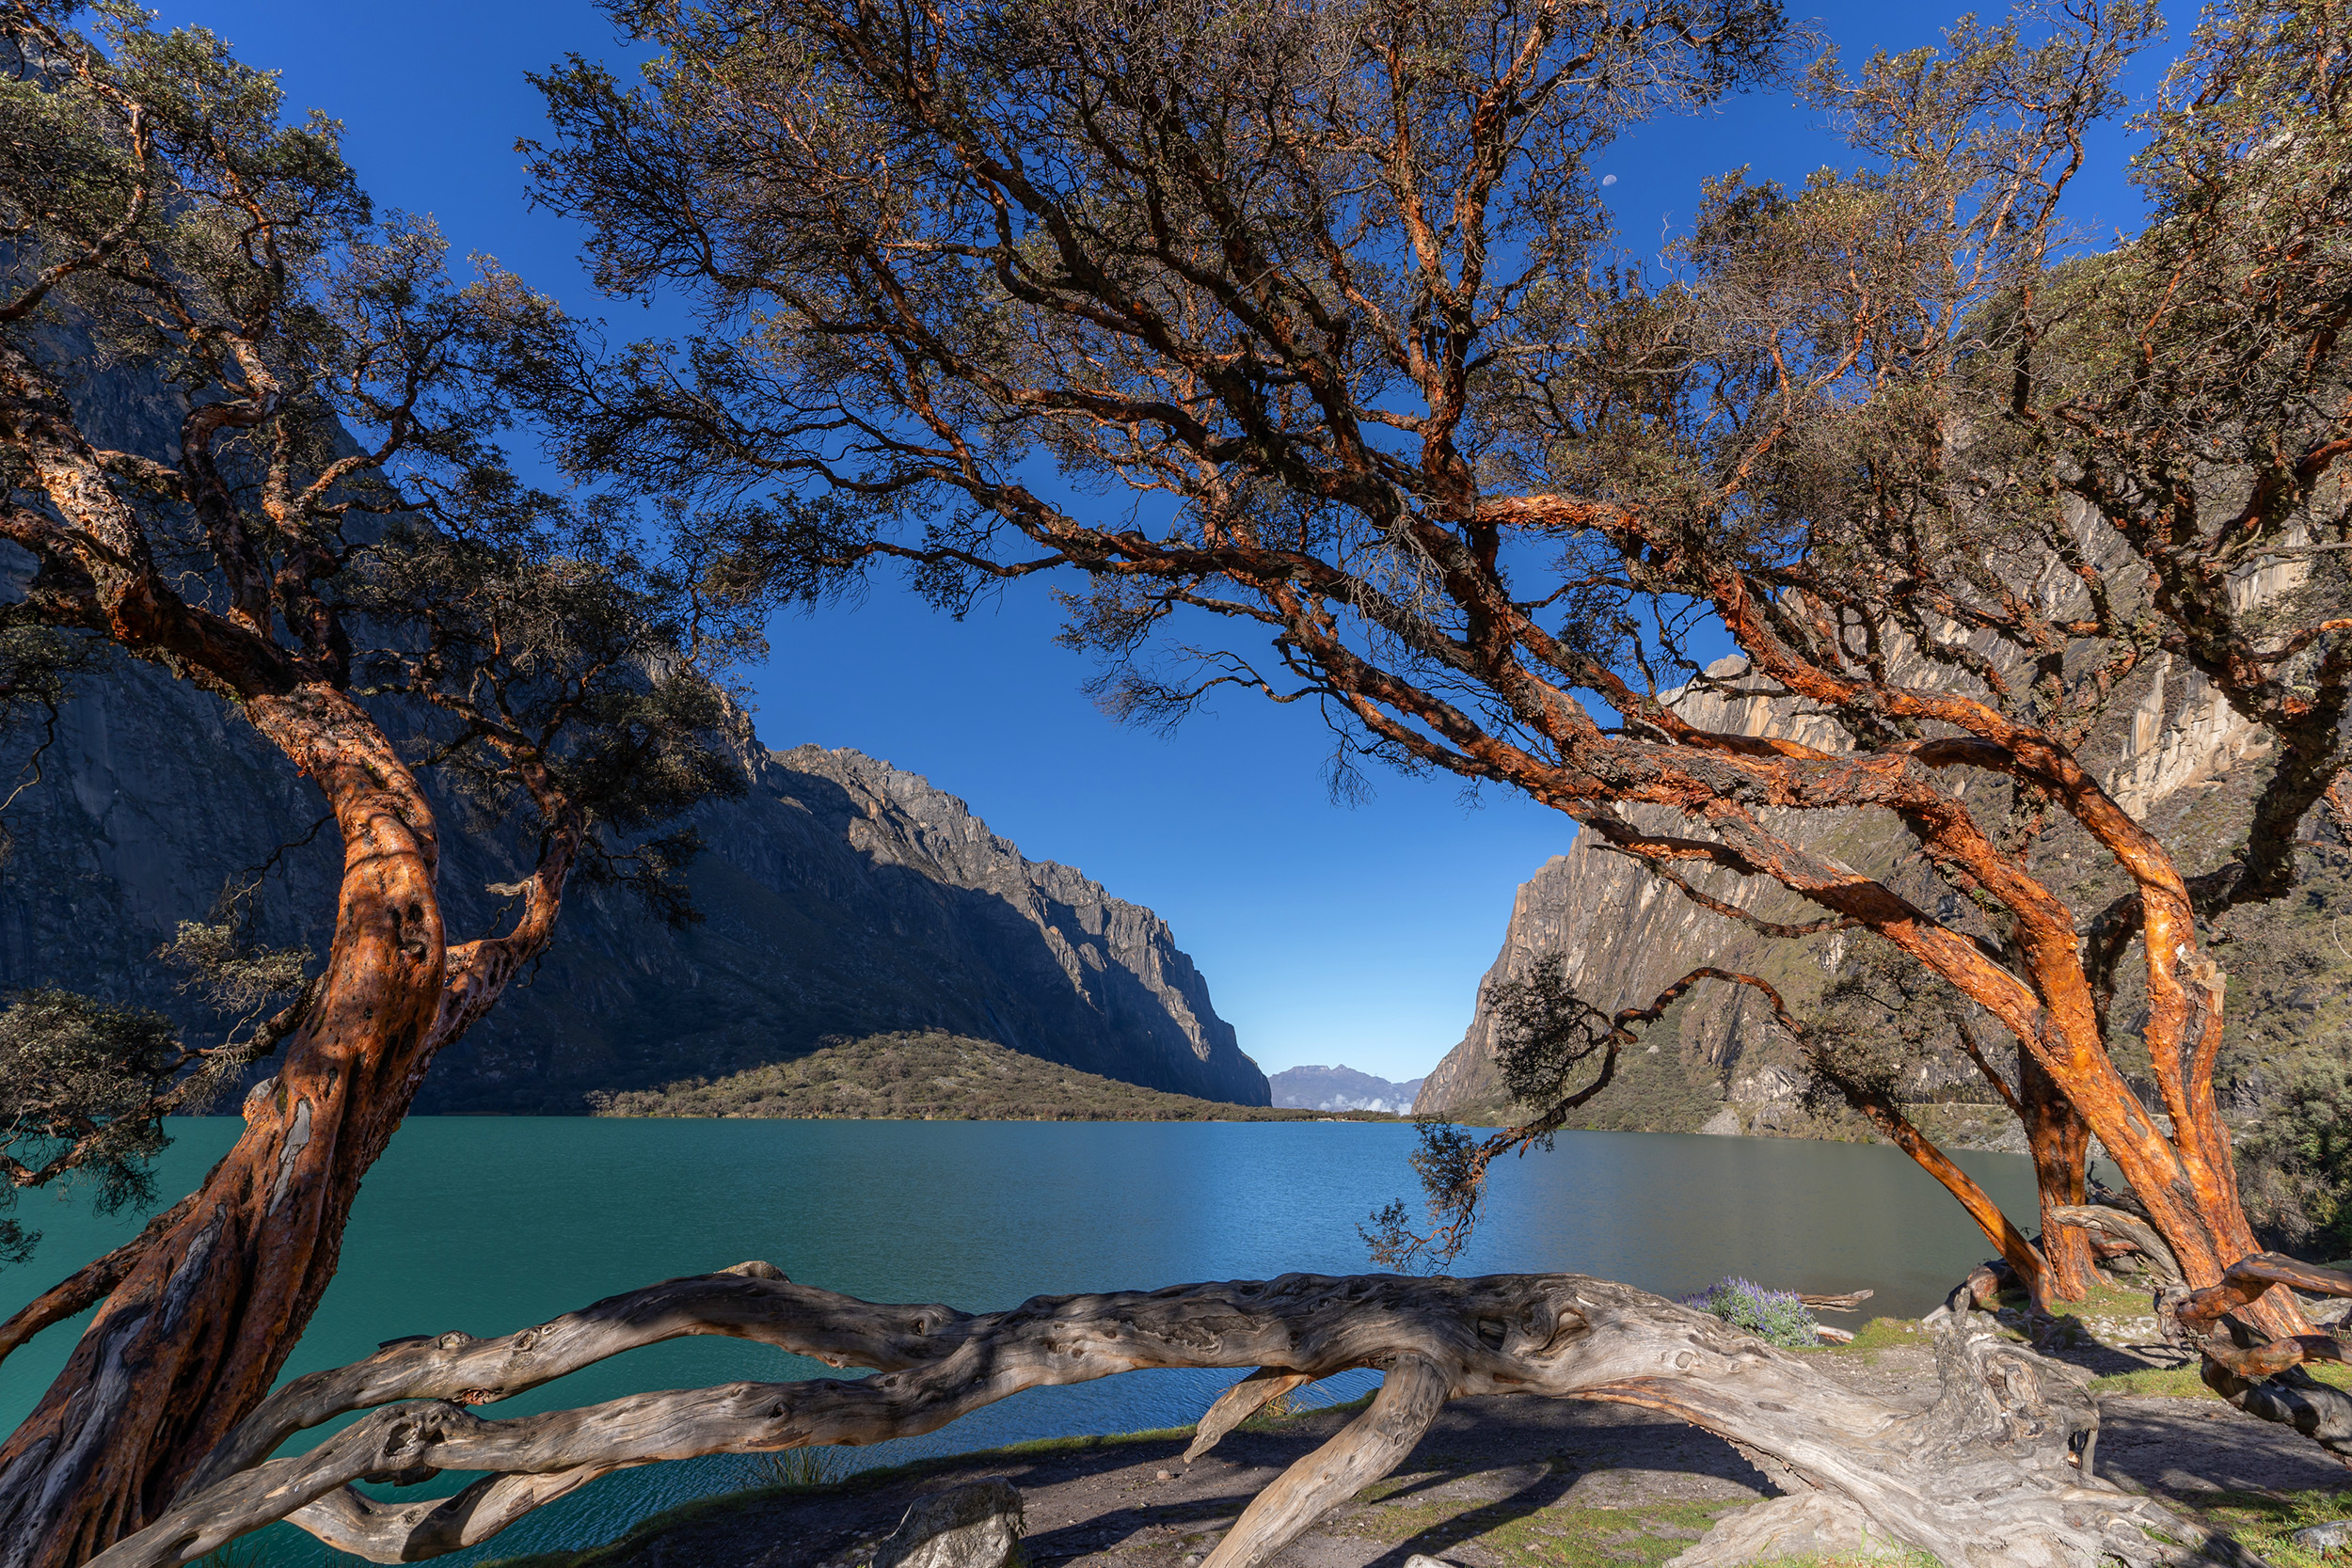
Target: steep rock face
(841, 898)
(845, 897)
(1623, 936)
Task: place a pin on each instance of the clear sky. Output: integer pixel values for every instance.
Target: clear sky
(1328, 933)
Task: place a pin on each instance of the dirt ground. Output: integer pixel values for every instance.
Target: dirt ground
(1508, 1481)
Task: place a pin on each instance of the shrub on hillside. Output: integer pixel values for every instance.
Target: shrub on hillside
(2295, 1170)
(1775, 1316)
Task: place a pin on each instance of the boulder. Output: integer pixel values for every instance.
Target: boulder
(976, 1525)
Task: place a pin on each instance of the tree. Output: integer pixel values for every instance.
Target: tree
(2000, 1467)
(1302, 324)
(330, 544)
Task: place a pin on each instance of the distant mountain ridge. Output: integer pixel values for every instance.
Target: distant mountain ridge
(1340, 1088)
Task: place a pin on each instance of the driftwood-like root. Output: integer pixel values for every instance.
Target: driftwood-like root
(1366, 1449)
(1241, 1401)
(1985, 1475)
(349, 1520)
(2259, 1374)
(2116, 1232)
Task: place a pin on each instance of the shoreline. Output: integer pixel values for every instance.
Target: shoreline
(1513, 1480)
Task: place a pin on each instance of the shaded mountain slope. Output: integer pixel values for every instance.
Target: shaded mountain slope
(841, 897)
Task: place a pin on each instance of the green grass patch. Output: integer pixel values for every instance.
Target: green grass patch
(1526, 1537)
(1279, 1413)
(2262, 1521)
(2183, 1382)
(1877, 1334)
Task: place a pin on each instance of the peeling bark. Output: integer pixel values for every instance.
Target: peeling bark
(1985, 1474)
(2058, 1140)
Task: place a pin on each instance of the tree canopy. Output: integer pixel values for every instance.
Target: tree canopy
(1292, 340)
(251, 431)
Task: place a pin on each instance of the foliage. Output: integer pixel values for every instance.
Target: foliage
(1777, 1316)
(304, 509)
(1544, 1036)
(1452, 1164)
(77, 1093)
(35, 660)
(933, 1077)
(805, 1466)
(1544, 1032)
(2263, 1522)
(335, 511)
(1878, 1031)
(85, 1084)
(1352, 403)
(2296, 1167)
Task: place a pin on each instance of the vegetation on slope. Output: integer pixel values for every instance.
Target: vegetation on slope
(933, 1076)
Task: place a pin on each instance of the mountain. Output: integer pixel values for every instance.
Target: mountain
(2172, 752)
(1340, 1088)
(842, 897)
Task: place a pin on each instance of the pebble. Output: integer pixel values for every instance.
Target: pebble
(1164, 1475)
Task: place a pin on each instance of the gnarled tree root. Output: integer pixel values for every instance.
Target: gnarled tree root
(1984, 1475)
(2260, 1374)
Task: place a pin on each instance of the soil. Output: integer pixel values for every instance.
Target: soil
(1506, 1481)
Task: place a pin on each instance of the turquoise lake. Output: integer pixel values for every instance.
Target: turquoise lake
(491, 1224)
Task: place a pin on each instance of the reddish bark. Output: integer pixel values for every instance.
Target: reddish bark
(198, 1317)
(2059, 1142)
(2014, 1248)
(195, 1333)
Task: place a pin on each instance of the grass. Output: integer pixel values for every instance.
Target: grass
(1877, 1334)
(2263, 1520)
(1634, 1536)
(797, 1469)
(1550, 1537)
(1286, 1409)
(2183, 1382)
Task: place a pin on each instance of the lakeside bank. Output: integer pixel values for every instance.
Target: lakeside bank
(1499, 1481)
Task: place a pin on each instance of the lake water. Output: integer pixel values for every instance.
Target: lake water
(491, 1224)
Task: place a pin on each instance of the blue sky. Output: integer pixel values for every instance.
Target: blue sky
(1327, 933)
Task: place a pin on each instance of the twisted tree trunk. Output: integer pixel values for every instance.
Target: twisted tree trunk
(200, 1313)
(1987, 1474)
(2058, 1140)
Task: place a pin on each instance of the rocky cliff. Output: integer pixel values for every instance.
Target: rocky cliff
(840, 896)
(2175, 754)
